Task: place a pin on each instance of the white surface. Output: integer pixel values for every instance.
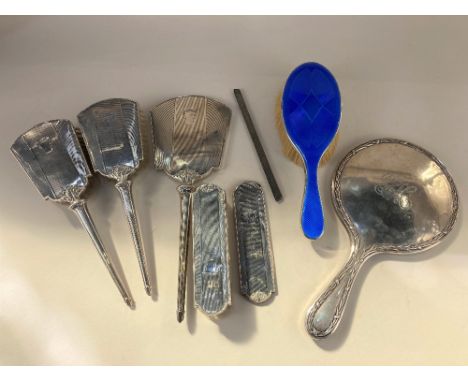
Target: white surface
(400, 77)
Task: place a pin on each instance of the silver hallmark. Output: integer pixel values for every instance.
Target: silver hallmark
(53, 159)
(393, 197)
(254, 249)
(212, 290)
(111, 131)
(189, 134)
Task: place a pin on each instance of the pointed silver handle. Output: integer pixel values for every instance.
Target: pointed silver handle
(80, 209)
(125, 189)
(185, 193)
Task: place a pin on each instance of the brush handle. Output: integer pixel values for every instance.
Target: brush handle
(125, 189)
(312, 212)
(81, 211)
(185, 193)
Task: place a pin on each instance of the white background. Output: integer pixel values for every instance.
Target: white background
(401, 77)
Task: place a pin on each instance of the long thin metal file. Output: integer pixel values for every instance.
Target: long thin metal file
(258, 146)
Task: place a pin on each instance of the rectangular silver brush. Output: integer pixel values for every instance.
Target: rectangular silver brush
(210, 250)
(256, 265)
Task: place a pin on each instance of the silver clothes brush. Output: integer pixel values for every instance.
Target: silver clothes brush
(212, 285)
(254, 249)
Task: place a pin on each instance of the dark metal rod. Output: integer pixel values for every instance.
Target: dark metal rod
(258, 146)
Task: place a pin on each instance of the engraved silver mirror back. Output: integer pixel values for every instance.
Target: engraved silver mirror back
(394, 196)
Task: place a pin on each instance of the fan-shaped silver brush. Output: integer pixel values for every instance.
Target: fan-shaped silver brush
(52, 157)
(189, 134)
(111, 132)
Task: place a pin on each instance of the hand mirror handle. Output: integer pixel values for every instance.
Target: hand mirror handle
(324, 316)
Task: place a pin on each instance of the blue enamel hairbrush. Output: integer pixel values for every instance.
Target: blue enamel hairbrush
(311, 110)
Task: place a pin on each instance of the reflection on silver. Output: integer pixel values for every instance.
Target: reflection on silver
(212, 290)
(393, 197)
(52, 157)
(189, 134)
(111, 131)
(256, 266)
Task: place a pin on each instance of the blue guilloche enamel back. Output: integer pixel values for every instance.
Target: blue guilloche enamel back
(311, 107)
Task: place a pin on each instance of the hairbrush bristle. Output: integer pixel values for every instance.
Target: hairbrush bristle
(327, 155)
(288, 148)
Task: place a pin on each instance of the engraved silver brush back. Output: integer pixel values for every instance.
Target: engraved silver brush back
(254, 249)
(212, 287)
(111, 130)
(189, 134)
(53, 159)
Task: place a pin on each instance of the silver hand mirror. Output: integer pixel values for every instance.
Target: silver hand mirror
(111, 131)
(393, 197)
(52, 157)
(189, 134)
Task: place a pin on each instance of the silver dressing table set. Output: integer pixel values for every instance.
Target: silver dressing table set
(392, 197)
(189, 134)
